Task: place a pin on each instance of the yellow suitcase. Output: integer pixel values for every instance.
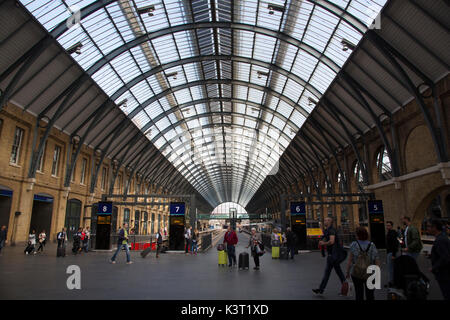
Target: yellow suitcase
(222, 257)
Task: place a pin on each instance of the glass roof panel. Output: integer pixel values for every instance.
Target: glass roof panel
(214, 114)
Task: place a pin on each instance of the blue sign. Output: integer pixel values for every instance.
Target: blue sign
(6, 193)
(42, 198)
(177, 208)
(375, 206)
(105, 207)
(298, 208)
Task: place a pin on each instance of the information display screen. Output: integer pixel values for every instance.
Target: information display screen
(177, 208)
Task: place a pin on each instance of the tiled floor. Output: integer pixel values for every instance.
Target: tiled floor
(172, 276)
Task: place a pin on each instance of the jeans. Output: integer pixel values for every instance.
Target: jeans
(329, 267)
(194, 247)
(119, 247)
(41, 247)
(361, 287)
(2, 244)
(291, 249)
(86, 246)
(390, 264)
(231, 251)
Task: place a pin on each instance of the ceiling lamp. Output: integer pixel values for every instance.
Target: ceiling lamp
(261, 74)
(172, 75)
(148, 9)
(274, 7)
(347, 45)
(123, 103)
(312, 102)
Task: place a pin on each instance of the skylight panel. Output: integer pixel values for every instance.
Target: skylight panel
(245, 12)
(192, 72)
(243, 45)
(165, 102)
(163, 124)
(320, 28)
(160, 142)
(302, 19)
(175, 12)
(169, 135)
(107, 79)
(279, 83)
(102, 31)
(155, 22)
(140, 58)
(289, 55)
(266, 20)
(293, 90)
(284, 109)
(322, 77)
(154, 109)
(183, 96)
(141, 91)
(304, 65)
(120, 21)
(125, 66)
(184, 43)
(154, 83)
(242, 71)
(297, 118)
(264, 47)
(141, 119)
(165, 49)
(255, 95)
(365, 12)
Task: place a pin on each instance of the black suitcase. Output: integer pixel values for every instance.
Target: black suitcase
(145, 252)
(284, 253)
(243, 260)
(61, 252)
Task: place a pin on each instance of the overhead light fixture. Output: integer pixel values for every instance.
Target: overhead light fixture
(147, 9)
(347, 45)
(172, 75)
(76, 48)
(255, 110)
(274, 7)
(261, 74)
(312, 102)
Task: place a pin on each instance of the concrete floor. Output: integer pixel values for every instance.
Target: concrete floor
(171, 277)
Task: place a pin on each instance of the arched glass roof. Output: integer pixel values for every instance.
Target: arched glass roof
(220, 87)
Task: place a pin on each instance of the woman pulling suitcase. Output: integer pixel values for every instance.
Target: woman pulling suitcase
(257, 248)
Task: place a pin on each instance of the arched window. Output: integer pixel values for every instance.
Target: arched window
(341, 182)
(384, 165)
(357, 172)
(126, 215)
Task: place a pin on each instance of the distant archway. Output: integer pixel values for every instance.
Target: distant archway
(224, 208)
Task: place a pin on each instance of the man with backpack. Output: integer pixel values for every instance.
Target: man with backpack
(122, 242)
(363, 253)
(336, 254)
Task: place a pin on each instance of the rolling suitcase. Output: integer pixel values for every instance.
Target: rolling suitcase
(284, 253)
(243, 260)
(222, 257)
(61, 252)
(145, 252)
(275, 252)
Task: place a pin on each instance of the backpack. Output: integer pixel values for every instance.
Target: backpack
(362, 262)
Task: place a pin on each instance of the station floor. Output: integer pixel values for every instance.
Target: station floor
(171, 277)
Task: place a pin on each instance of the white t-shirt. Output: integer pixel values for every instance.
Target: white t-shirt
(32, 238)
(42, 236)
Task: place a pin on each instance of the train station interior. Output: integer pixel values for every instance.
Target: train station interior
(264, 114)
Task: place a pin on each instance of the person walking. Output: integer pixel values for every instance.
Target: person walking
(363, 253)
(194, 244)
(230, 240)
(291, 239)
(42, 241)
(392, 245)
(413, 243)
(61, 237)
(334, 255)
(440, 256)
(187, 237)
(3, 240)
(255, 244)
(159, 242)
(76, 247)
(122, 243)
(31, 243)
(87, 236)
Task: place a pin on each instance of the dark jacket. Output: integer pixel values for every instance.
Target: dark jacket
(290, 238)
(3, 235)
(440, 257)
(413, 240)
(392, 243)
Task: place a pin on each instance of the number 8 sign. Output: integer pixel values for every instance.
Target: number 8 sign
(105, 208)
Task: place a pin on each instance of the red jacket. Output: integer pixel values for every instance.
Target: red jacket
(230, 238)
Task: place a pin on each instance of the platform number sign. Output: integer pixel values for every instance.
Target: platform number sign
(105, 208)
(177, 208)
(298, 208)
(375, 206)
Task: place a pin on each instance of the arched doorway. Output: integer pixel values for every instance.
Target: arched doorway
(73, 216)
(41, 214)
(5, 205)
(433, 205)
